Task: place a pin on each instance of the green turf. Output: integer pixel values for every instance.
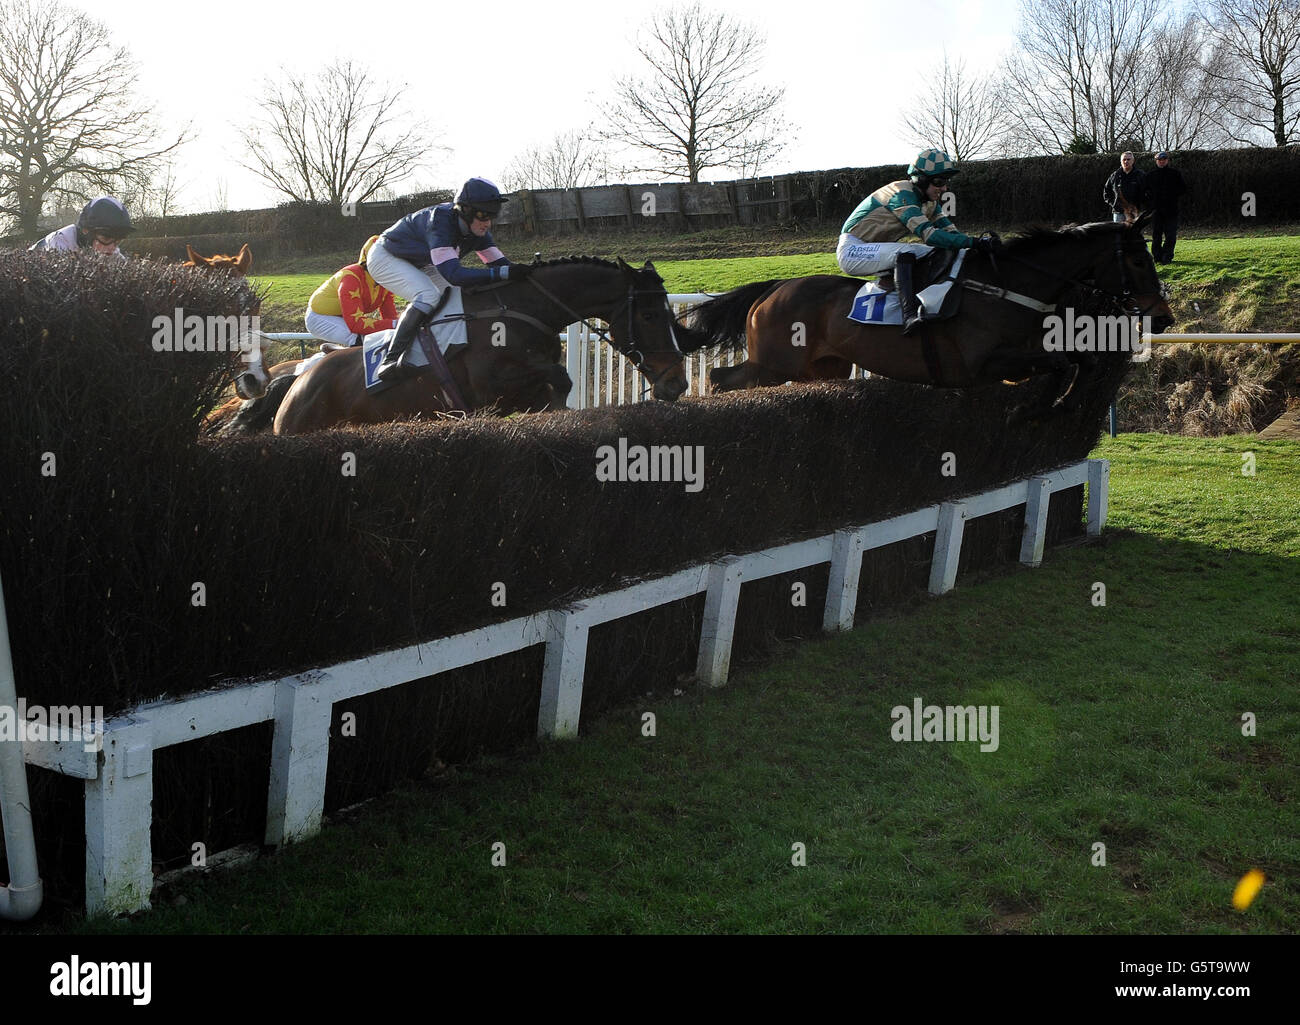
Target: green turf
(1119, 724)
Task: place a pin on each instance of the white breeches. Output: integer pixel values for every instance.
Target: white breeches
(330, 329)
(860, 258)
(403, 279)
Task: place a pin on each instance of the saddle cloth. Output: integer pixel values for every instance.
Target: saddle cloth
(449, 328)
(877, 301)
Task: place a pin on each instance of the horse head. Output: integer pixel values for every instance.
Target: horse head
(238, 265)
(1130, 275)
(642, 328)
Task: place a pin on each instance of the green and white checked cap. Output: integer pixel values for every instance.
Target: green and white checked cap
(932, 163)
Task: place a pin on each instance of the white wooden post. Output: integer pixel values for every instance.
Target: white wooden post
(947, 547)
(300, 748)
(842, 587)
(719, 624)
(573, 363)
(566, 657)
(1037, 500)
(119, 814)
(1098, 494)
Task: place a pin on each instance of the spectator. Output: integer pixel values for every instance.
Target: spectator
(1123, 191)
(1163, 187)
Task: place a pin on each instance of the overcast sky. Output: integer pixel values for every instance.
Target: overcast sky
(495, 77)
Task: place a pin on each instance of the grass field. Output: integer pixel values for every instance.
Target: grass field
(1119, 725)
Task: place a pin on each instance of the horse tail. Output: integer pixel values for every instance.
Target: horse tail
(720, 322)
(258, 414)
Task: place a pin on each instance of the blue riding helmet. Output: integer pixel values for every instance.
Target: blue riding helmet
(480, 194)
(104, 216)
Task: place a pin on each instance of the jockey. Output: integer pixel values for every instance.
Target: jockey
(350, 305)
(419, 257)
(870, 239)
(103, 223)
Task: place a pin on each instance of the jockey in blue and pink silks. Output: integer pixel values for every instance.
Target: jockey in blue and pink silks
(419, 256)
(871, 239)
(102, 224)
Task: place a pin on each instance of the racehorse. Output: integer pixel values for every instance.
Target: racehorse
(511, 361)
(234, 264)
(798, 330)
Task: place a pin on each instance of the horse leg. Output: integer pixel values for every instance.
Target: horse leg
(743, 375)
(1020, 366)
(831, 368)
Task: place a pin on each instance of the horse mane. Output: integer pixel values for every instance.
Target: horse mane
(593, 261)
(1036, 236)
(569, 260)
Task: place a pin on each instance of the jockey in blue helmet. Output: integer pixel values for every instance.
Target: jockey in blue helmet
(420, 255)
(103, 223)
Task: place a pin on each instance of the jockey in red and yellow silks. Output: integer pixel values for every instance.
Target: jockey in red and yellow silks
(351, 305)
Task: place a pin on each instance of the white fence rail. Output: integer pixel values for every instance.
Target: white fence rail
(119, 780)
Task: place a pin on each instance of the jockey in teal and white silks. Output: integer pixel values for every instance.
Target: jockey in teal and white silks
(871, 239)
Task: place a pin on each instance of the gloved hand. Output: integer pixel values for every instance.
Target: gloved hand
(989, 244)
(518, 271)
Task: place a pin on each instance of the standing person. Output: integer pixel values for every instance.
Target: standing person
(101, 225)
(350, 305)
(1163, 187)
(419, 256)
(1123, 190)
(871, 239)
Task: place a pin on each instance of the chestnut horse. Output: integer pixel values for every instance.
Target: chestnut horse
(798, 330)
(234, 264)
(511, 361)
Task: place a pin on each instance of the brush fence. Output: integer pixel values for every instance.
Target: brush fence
(119, 778)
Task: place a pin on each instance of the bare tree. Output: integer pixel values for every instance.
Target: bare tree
(68, 121)
(1256, 61)
(333, 138)
(570, 160)
(1080, 72)
(1180, 97)
(699, 105)
(964, 119)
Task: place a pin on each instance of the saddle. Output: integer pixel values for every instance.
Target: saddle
(934, 277)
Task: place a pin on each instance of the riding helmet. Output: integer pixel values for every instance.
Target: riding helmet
(104, 216)
(480, 194)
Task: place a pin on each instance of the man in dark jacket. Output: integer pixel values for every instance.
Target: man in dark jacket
(1163, 187)
(1123, 190)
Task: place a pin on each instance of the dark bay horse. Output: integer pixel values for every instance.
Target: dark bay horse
(798, 330)
(511, 361)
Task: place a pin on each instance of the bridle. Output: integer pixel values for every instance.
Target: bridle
(1115, 300)
(624, 348)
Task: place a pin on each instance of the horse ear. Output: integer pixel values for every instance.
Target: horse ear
(194, 257)
(245, 259)
(649, 265)
(622, 264)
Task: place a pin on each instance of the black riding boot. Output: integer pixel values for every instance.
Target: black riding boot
(907, 299)
(395, 366)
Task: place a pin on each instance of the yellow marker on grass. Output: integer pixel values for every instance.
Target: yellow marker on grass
(1248, 889)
